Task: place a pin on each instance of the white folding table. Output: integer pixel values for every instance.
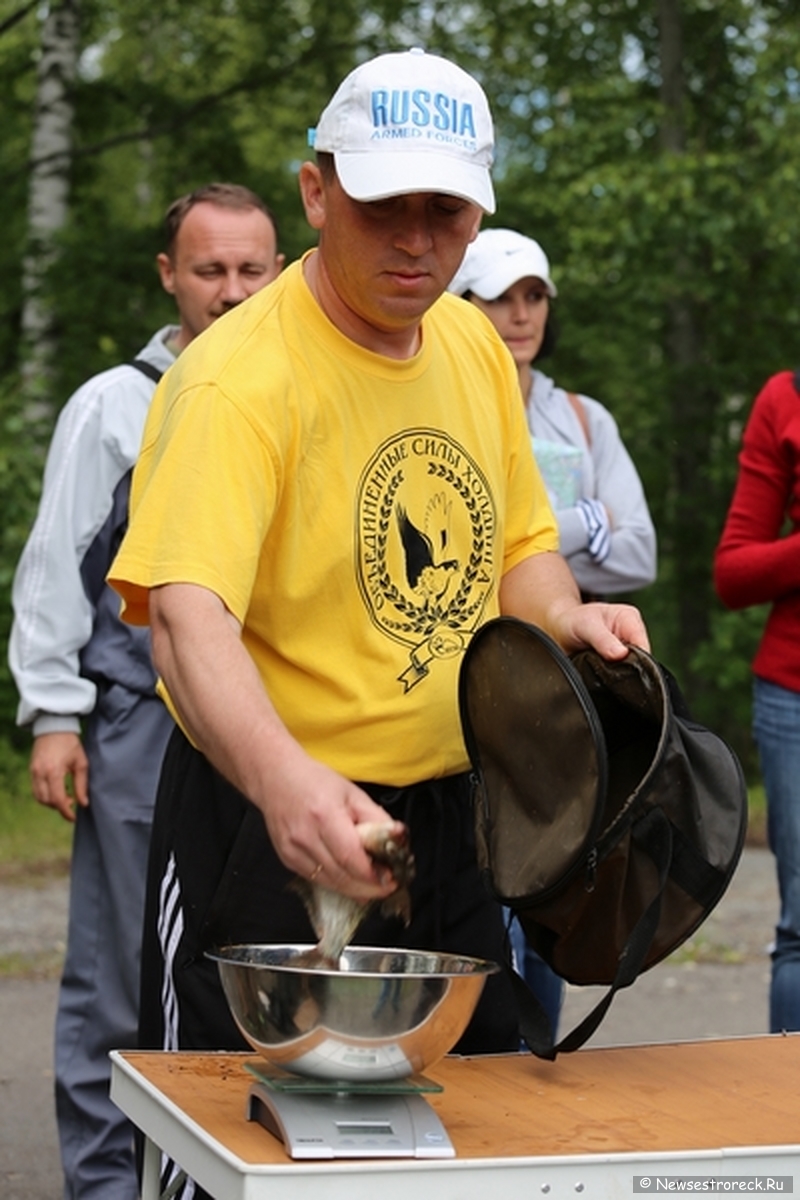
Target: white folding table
(584, 1126)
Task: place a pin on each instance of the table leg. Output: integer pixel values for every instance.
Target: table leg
(151, 1171)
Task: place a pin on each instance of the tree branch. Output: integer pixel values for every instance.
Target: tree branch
(16, 17)
(149, 132)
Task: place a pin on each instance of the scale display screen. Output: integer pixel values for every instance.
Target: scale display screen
(351, 1128)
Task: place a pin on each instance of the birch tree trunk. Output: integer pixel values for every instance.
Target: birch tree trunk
(48, 196)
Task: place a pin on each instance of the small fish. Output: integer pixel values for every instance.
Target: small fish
(335, 917)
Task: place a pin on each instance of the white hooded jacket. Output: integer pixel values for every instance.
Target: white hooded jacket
(66, 636)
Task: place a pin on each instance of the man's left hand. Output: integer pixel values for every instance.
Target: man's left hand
(541, 590)
(609, 628)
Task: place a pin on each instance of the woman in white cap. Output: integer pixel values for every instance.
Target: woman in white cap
(605, 530)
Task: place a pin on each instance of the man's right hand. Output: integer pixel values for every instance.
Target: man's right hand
(313, 815)
(60, 772)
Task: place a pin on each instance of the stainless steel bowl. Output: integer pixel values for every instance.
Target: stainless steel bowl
(384, 1014)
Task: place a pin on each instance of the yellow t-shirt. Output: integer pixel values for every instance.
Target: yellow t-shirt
(355, 513)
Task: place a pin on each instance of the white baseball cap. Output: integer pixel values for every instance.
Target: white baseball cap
(409, 122)
(496, 260)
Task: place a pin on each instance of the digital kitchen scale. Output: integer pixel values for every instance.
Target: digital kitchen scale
(315, 1119)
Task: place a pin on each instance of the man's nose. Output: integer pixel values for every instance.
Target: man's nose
(415, 237)
(233, 289)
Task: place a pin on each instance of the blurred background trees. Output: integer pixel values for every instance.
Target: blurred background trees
(650, 145)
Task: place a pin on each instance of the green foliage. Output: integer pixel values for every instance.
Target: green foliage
(30, 836)
(105, 325)
(677, 297)
(16, 102)
(724, 660)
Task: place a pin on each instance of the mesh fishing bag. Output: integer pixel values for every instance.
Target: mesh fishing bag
(607, 820)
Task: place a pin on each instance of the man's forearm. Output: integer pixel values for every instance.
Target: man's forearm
(538, 590)
(311, 812)
(214, 686)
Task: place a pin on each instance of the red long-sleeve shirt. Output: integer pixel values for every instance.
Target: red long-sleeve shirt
(758, 556)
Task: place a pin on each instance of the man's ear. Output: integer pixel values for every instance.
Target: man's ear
(477, 225)
(312, 194)
(167, 273)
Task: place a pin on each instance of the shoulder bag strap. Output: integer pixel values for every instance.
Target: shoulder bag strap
(580, 413)
(141, 364)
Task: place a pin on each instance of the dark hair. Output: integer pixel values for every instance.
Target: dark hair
(225, 195)
(549, 337)
(326, 164)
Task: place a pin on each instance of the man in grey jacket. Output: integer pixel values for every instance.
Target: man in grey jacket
(87, 685)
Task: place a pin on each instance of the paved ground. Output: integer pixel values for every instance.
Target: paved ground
(32, 929)
(713, 987)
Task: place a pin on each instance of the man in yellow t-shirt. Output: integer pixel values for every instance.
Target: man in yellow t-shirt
(335, 489)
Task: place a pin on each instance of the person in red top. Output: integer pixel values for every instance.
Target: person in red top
(757, 561)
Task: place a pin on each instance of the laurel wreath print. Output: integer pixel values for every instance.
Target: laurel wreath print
(423, 620)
